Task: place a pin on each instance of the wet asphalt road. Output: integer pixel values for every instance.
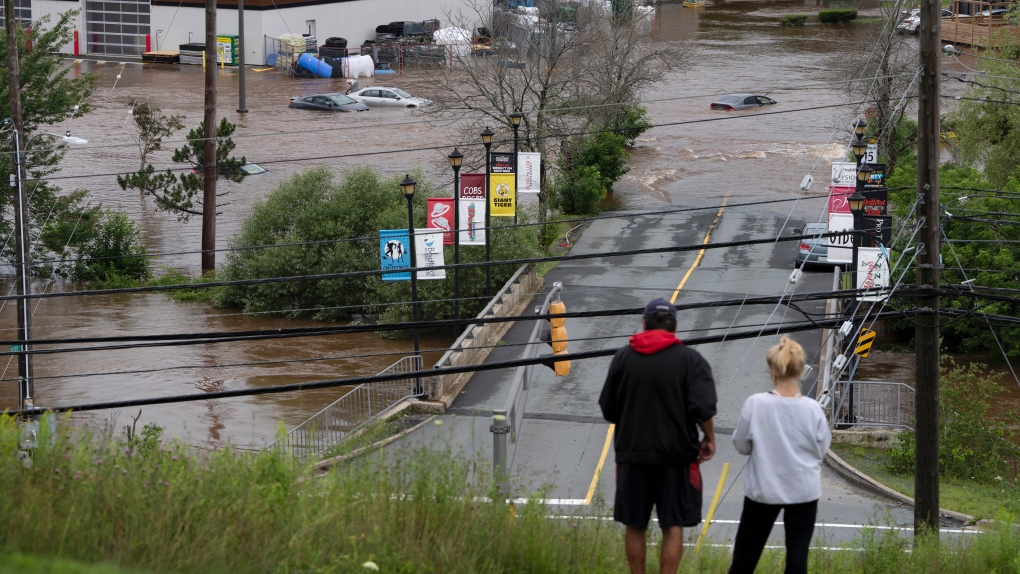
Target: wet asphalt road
(563, 437)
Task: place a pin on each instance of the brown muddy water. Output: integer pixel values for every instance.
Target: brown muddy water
(737, 46)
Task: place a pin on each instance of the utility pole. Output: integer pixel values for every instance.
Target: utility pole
(926, 334)
(209, 149)
(26, 391)
(241, 107)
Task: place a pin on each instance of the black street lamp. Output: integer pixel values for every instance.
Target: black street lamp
(487, 141)
(859, 126)
(856, 204)
(860, 148)
(863, 176)
(407, 186)
(456, 159)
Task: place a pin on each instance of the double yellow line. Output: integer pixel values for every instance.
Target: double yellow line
(676, 293)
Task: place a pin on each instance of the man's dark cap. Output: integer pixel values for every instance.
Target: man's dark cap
(659, 305)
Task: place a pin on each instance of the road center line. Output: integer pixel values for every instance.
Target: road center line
(609, 432)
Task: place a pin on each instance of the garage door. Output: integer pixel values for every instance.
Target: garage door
(22, 11)
(117, 27)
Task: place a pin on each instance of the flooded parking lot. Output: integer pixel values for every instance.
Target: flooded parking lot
(694, 156)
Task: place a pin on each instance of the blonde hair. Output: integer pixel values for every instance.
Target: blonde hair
(786, 360)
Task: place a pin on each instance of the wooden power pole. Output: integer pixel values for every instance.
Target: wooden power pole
(22, 244)
(209, 149)
(926, 334)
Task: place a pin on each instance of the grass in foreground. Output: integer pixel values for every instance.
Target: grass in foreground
(376, 431)
(153, 507)
(967, 496)
(21, 564)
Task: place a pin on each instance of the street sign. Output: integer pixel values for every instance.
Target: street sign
(871, 155)
(15, 348)
(864, 342)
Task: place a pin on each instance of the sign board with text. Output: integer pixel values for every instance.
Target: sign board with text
(837, 198)
(501, 194)
(428, 254)
(528, 174)
(844, 173)
(840, 246)
(394, 253)
(472, 209)
(878, 230)
(875, 200)
(872, 271)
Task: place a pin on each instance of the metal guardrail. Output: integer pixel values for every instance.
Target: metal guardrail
(507, 421)
(875, 404)
(350, 413)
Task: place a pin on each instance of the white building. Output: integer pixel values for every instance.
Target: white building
(129, 27)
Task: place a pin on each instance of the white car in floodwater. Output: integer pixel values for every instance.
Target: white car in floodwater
(377, 96)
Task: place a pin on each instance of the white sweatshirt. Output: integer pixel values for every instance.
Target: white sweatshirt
(786, 438)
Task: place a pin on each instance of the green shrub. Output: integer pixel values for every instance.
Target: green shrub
(972, 445)
(323, 226)
(793, 20)
(113, 251)
(589, 165)
(837, 15)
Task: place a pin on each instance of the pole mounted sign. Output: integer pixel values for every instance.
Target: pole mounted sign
(864, 342)
(440, 216)
(502, 185)
(472, 209)
(394, 253)
(429, 254)
(528, 172)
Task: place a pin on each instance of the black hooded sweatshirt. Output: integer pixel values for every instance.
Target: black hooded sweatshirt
(656, 392)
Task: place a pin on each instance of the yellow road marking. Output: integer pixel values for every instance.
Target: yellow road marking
(701, 253)
(711, 509)
(602, 461)
(609, 433)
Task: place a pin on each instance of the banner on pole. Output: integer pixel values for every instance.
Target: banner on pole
(840, 246)
(440, 216)
(837, 199)
(872, 271)
(394, 253)
(429, 253)
(528, 174)
(501, 194)
(844, 173)
(472, 209)
(875, 200)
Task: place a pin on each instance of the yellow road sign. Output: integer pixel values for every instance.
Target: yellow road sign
(864, 342)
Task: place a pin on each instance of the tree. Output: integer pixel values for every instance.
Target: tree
(571, 69)
(173, 193)
(883, 75)
(987, 120)
(48, 96)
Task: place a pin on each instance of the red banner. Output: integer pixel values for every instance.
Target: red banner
(837, 198)
(440, 216)
(472, 186)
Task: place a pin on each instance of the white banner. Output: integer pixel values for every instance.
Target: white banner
(528, 173)
(428, 248)
(472, 221)
(872, 271)
(844, 173)
(840, 246)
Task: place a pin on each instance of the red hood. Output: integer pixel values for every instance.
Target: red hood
(651, 342)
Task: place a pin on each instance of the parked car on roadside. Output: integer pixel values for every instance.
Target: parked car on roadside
(912, 21)
(732, 102)
(328, 103)
(813, 251)
(380, 96)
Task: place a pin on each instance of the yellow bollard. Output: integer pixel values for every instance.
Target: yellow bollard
(711, 509)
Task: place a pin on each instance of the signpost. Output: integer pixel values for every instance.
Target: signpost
(864, 342)
(502, 185)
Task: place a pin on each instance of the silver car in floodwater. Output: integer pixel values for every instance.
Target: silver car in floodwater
(732, 102)
(813, 251)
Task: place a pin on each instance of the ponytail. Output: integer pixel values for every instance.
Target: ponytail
(786, 360)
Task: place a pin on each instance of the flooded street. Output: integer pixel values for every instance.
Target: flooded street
(738, 46)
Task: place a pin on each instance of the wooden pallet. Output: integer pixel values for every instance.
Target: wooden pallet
(161, 57)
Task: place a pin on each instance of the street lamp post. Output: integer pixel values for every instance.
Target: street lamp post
(407, 186)
(859, 127)
(863, 177)
(856, 204)
(487, 141)
(515, 121)
(860, 148)
(456, 159)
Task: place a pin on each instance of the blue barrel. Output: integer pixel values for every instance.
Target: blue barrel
(315, 65)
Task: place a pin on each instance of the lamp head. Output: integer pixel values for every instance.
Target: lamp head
(407, 186)
(456, 158)
(859, 126)
(487, 136)
(860, 147)
(515, 118)
(856, 203)
(864, 173)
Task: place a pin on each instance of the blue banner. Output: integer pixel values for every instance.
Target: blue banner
(395, 253)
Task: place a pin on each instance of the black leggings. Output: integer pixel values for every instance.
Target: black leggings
(755, 525)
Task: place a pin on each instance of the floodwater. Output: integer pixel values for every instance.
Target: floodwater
(736, 46)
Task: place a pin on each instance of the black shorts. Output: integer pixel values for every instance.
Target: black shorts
(675, 491)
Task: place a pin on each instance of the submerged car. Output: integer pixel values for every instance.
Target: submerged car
(813, 251)
(328, 103)
(376, 96)
(732, 102)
